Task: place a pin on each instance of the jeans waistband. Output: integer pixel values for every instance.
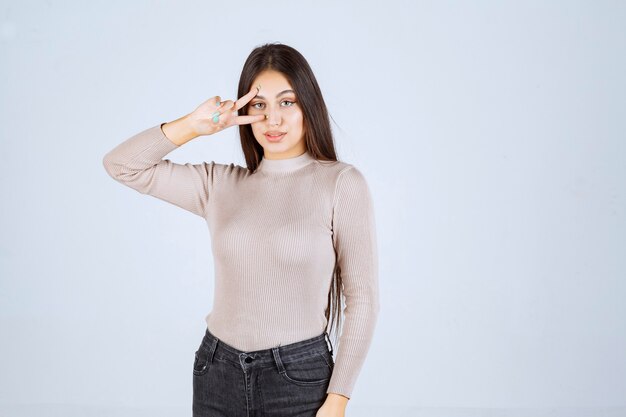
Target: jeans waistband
(263, 357)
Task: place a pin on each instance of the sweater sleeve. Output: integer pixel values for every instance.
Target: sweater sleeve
(354, 238)
(137, 163)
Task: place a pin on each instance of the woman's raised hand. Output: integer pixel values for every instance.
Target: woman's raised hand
(203, 119)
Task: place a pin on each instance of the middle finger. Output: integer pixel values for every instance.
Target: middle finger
(246, 98)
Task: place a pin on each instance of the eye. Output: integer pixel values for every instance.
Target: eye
(291, 103)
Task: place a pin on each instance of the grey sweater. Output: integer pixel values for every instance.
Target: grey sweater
(276, 234)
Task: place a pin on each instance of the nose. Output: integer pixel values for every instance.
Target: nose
(273, 117)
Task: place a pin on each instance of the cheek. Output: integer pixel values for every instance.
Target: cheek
(256, 129)
(295, 119)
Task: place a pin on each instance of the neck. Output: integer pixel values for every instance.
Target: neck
(285, 164)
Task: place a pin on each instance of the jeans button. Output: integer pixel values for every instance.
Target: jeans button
(248, 359)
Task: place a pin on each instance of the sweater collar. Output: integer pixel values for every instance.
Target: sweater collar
(285, 164)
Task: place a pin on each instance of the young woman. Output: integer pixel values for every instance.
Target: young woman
(291, 233)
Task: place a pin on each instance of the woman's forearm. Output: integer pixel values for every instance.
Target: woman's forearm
(179, 131)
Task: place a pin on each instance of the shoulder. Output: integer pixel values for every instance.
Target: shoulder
(350, 173)
(338, 169)
(344, 179)
(351, 183)
(220, 171)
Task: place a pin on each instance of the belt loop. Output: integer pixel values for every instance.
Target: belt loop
(331, 345)
(278, 360)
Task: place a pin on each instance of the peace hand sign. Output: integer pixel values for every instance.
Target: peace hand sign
(209, 117)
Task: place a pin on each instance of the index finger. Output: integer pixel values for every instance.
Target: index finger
(245, 99)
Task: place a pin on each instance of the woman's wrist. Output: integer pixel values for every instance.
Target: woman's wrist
(337, 399)
(179, 131)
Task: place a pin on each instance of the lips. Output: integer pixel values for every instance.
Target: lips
(274, 136)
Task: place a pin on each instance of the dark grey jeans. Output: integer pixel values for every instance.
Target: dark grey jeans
(288, 380)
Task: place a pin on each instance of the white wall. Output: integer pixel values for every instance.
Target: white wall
(492, 136)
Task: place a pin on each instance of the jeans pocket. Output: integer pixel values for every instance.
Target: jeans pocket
(329, 359)
(201, 361)
(315, 369)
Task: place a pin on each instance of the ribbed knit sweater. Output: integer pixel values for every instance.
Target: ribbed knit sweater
(276, 234)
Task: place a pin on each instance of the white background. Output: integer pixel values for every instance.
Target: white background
(491, 134)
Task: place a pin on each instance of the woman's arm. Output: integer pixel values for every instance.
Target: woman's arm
(354, 239)
(138, 163)
(180, 131)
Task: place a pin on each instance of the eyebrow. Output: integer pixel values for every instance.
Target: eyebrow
(277, 95)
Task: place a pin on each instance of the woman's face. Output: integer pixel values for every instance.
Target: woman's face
(284, 115)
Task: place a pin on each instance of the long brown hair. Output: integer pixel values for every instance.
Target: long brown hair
(316, 126)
